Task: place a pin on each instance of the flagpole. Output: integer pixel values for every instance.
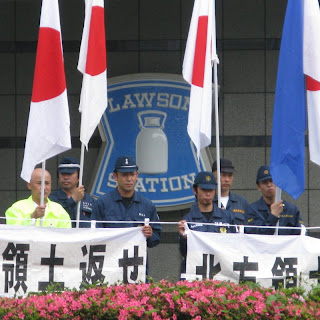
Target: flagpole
(215, 61)
(43, 172)
(80, 182)
(278, 198)
(215, 84)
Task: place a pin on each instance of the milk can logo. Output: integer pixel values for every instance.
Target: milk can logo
(147, 118)
(152, 143)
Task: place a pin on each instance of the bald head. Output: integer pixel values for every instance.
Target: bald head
(35, 185)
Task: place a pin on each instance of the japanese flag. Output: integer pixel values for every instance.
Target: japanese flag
(311, 68)
(197, 70)
(93, 64)
(48, 132)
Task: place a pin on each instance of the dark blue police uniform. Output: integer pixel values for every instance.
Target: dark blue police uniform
(195, 219)
(237, 206)
(110, 207)
(71, 207)
(259, 214)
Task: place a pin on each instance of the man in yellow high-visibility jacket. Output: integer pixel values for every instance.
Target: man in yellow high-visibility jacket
(22, 212)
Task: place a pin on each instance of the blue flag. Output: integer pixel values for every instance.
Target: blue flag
(289, 116)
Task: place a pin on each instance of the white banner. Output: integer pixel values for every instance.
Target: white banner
(31, 258)
(272, 261)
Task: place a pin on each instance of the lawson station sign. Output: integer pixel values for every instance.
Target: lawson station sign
(147, 118)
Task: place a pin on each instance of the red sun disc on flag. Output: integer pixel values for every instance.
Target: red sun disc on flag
(200, 52)
(49, 78)
(312, 84)
(96, 56)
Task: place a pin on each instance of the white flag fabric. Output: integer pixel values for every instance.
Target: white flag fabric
(311, 68)
(93, 64)
(48, 132)
(197, 70)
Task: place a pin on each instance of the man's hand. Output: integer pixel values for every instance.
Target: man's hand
(147, 231)
(38, 212)
(181, 228)
(277, 208)
(78, 193)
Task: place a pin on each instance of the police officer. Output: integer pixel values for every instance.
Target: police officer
(69, 193)
(204, 210)
(267, 212)
(125, 204)
(235, 203)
